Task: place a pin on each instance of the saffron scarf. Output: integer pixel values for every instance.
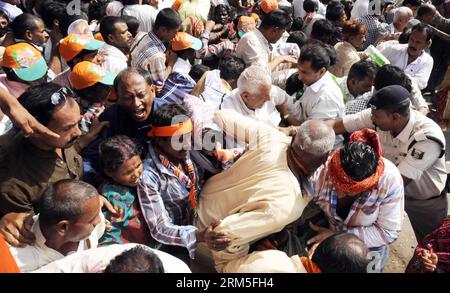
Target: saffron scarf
(309, 265)
(189, 181)
(339, 177)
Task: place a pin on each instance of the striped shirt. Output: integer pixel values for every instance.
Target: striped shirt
(165, 205)
(148, 53)
(376, 216)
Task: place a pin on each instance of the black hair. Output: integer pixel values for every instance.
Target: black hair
(64, 200)
(331, 53)
(322, 27)
(95, 93)
(107, 26)
(424, 10)
(348, 5)
(124, 73)
(132, 23)
(230, 68)
(317, 55)
(293, 84)
(341, 253)
(168, 18)
(164, 115)
(138, 259)
(129, 2)
(412, 3)
(80, 55)
(217, 9)
(297, 37)
(97, 10)
(391, 75)
(334, 11)
(404, 36)
(423, 27)
(359, 160)
(37, 100)
(297, 24)
(23, 23)
(277, 18)
(116, 150)
(67, 20)
(362, 69)
(310, 5)
(197, 71)
(51, 11)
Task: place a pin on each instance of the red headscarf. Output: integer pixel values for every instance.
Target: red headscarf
(345, 183)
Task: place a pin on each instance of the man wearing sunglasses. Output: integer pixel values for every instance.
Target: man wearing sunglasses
(29, 165)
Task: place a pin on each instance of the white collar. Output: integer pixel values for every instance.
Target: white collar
(315, 87)
(405, 134)
(182, 66)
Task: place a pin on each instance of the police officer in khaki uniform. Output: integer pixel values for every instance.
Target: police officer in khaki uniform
(416, 145)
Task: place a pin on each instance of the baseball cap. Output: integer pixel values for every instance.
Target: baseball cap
(86, 74)
(392, 96)
(269, 5)
(183, 41)
(73, 44)
(245, 24)
(25, 60)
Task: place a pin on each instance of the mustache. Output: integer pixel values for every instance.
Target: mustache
(73, 140)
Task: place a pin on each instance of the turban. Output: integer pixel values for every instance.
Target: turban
(340, 178)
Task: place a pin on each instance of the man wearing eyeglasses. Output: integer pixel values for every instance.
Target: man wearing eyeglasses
(29, 165)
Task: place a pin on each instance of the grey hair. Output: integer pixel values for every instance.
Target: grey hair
(315, 137)
(402, 12)
(252, 78)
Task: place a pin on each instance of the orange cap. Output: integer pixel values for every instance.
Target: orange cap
(73, 44)
(176, 5)
(183, 41)
(269, 5)
(86, 74)
(245, 24)
(25, 60)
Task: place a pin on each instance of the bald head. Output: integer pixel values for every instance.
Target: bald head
(64, 200)
(342, 253)
(315, 137)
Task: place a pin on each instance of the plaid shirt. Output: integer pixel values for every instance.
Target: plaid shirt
(376, 216)
(165, 205)
(148, 53)
(357, 105)
(375, 30)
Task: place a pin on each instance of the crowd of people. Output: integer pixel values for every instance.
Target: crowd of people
(222, 135)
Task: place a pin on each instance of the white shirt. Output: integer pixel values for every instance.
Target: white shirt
(30, 258)
(97, 259)
(12, 11)
(419, 70)
(115, 60)
(360, 8)
(254, 49)
(420, 163)
(321, 100)
(267, 113)
(146, 15)
(182, 66)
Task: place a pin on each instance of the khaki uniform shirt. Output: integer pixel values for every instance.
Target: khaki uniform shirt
(26, 171)
(421, 162)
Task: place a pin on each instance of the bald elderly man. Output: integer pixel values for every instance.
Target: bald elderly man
(260, 194)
